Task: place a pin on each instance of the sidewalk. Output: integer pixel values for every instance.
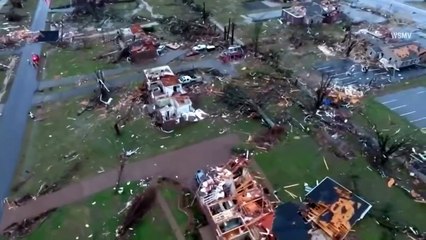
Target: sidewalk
(180, 164)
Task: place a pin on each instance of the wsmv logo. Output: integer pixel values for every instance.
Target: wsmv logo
(401, 35)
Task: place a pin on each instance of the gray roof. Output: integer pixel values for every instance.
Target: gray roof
(313, 8)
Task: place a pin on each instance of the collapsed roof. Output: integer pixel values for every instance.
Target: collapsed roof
(235, 203)
(330, 211)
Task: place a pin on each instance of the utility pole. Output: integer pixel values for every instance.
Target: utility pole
(232, 33)
(229, 28)
(224, 34)
(204, 13)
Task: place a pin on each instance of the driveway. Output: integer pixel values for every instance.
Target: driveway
(180, 164)
(15, 111)
(207, 63)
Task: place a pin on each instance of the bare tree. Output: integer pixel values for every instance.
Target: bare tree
(256, 36)
(123, 160)
(321, 91)
(388, 145)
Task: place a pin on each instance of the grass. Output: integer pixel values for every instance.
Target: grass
(26, 12)
(417, 4)
(59, 3)
(2, 76)
(173, 196)
(70, 222)
(68, 62)
(168, 8)
(301, 161)
(418, 82)
(91, 136)
(234, 9)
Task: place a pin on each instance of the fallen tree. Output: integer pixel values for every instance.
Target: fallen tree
(140, 206)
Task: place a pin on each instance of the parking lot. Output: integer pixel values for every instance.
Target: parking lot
(337, 70)
(410, 104)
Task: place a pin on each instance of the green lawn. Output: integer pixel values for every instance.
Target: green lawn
(301, 161)
(91, 138)
(59, 3)
(67, 62)
(168, 8)
(100, 212)
(173, 196)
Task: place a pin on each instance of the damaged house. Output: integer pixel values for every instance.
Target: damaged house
(312, 12)
(329, 210)
(235, 203)
(169, 101)
(401, 55)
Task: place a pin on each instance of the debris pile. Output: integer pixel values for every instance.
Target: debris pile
(18, 36)
(235, 202)
(345, 95)
(169, 102)
(190, 30)
(269, 138)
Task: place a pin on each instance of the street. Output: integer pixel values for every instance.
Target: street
(15, 111)
(400, 9)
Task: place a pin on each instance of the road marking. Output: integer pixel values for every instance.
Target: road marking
(329, 71)
(421, 92)
(321, 68)
(376, 69)
(418, 119)
(390, 101)
(401, 106)
(343, 78)
(335, 75)
(380, 73)
(408, 113)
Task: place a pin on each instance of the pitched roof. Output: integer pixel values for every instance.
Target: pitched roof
(406, 51)
(341, 208)
(313, 9)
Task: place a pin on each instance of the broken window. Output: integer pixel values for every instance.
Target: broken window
(390, 59)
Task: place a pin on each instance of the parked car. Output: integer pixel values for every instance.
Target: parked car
(200, 177)
(184, 79)
(203, 47)
(161, 49)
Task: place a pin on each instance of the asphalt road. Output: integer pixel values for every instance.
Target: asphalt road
(15, 111)
(225, 69)
(399, 8)
(73, 80)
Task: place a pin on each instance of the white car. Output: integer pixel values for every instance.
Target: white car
(187, 79)
(160, 49)
(202, 47)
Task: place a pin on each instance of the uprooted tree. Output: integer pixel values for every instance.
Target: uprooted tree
(237, 99)
(382, 145)
(388, 145)
(140, 206)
